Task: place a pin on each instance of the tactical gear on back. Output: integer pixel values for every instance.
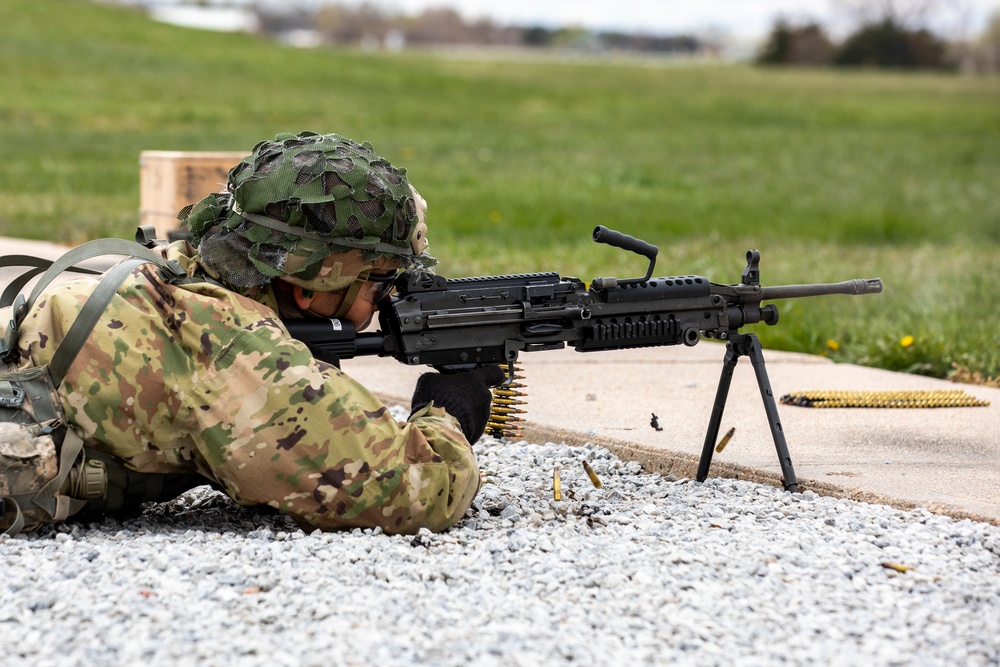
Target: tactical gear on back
(45, 474)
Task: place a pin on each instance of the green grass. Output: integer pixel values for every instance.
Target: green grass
(830, 174)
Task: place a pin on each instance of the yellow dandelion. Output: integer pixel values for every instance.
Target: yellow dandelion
(906, 341)
(832, 345)
(495, 216)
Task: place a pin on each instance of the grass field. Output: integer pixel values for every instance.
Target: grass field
(831, 174)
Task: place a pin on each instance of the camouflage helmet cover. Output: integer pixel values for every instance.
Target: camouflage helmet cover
(316, 210)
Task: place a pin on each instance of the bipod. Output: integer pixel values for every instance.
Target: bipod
(747, 345)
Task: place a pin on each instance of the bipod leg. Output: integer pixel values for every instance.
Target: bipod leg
(750, 345)
(728, 367)
(747, 345)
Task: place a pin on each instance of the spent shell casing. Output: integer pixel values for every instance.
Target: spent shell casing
(725, 440)
(898, 567)
(595, 480)
(556, 484)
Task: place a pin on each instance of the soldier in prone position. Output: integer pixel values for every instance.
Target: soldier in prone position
(197, 381)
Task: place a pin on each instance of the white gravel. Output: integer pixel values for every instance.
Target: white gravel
(646, 570)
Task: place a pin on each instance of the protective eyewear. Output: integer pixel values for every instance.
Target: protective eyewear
(382, 285)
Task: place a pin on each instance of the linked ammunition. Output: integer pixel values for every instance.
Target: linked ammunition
(503, 420)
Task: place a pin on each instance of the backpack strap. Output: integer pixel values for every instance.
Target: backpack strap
(99, 248)
(37, 265)
(109, 284)
(10, 505)
(85, 321)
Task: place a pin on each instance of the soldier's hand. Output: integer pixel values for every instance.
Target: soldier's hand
(465, 396)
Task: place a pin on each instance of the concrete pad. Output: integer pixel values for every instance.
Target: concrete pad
(946, 460)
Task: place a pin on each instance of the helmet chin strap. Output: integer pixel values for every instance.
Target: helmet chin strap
(352, 294)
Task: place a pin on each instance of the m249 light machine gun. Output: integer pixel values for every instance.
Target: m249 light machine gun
(459, 323)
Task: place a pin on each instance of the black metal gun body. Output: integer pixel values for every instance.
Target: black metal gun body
(464, 322)
(435, 321)
(494, 319)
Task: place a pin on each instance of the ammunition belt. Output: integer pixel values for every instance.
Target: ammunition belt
(505, 419)
(935, 398)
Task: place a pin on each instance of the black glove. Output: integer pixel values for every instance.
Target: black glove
(465, 396)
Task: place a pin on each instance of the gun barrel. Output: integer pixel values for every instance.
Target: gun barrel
(854, 287)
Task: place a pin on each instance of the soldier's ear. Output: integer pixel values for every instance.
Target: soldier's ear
(303, 297)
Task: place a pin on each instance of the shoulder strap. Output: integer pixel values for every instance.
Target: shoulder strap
(84, 323)
(37, 265)
(93, 249)
(96, 303)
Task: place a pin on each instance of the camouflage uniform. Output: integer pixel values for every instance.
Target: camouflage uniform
(200, 378)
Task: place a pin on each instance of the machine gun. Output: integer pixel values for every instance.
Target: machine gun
(462, 323)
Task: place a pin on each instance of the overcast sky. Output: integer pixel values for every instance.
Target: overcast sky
(742, 18)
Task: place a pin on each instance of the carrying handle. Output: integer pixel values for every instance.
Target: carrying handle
(618, 240)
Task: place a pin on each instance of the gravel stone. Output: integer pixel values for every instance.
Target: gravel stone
(647, 570)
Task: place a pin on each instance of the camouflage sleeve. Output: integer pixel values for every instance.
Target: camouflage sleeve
(278, 427)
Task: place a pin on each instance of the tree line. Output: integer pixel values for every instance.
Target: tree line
(368, 25)
(885, 34)
(885, 37)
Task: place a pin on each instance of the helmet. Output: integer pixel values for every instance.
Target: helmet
(317, 210)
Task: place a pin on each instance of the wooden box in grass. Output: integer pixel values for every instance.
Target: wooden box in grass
(170, 180)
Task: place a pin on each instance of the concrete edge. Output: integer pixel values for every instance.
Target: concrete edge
(685, 465)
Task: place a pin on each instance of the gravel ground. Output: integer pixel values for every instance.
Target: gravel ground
(645, 570)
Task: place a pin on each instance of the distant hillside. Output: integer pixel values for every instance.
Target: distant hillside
(86, 87)
(540, 146)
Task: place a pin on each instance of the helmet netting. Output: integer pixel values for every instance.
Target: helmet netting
(332, 196)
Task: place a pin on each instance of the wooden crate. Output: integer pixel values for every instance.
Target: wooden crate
(170, 180)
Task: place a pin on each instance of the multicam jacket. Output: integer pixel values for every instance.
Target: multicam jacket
(195, 377)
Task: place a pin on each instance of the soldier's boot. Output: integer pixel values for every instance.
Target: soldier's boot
(111, 489)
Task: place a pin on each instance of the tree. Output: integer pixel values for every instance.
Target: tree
(779, 45)
(888, 44)
(348, 25)
(537, 36)
(948, 19)
(804, 45)
(438, 26)
(911, 14)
